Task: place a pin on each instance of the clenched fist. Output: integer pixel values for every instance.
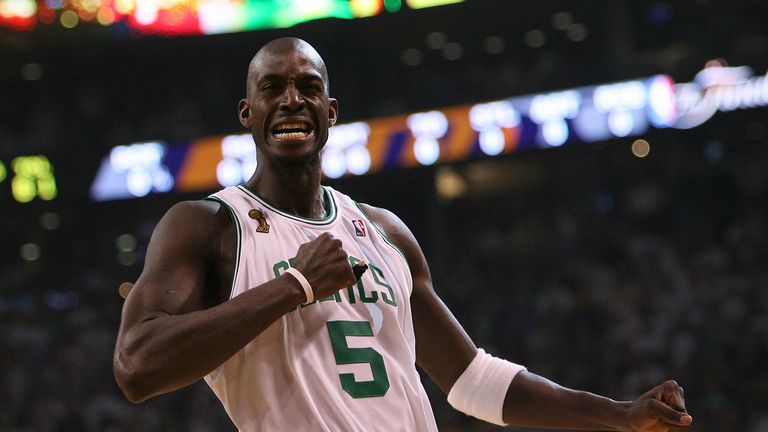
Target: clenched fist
(325, 264)
(662, 409)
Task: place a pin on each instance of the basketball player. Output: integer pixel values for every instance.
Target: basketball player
(258, 289)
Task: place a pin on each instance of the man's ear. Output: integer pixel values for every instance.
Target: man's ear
(244, 113)
(333, 111)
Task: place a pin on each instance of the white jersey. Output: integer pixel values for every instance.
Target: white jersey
(342, 363)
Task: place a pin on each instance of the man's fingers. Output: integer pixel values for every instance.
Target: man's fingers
(676, 401)
(672, 395)
(668, 414)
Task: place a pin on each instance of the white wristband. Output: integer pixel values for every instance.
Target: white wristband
(308, 292)
(482, 387)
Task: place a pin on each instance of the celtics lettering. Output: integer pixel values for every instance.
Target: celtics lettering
(380, 291)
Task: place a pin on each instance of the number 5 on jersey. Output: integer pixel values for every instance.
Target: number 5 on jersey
(339, 330)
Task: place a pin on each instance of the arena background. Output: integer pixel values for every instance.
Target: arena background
(597, 268)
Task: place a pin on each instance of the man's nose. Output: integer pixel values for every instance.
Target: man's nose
(292, 98)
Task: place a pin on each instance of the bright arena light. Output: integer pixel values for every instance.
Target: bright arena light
(641, 148)
(228, 172)
(149, 154)
(139, 182)
(492, 141)
(146, 12)
(619, 101)
(347, 150)
(551, 110)
(238, 160)
(426, 150)
(219, 16)
(142, 166)
(18, 8)
(427, 127)
(621, 123)
(561, 105)
(488, 119)
(661, 101)
(555, 132)
(428, 124)
(358, 160)
(500, 113)
(347, 135)
(365, 8)
(238, 146)
(626, 95)
(333, 164)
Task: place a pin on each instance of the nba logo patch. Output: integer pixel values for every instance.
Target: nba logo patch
(359, 228)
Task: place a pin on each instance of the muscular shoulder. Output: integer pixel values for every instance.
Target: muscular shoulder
(392, 226)
(192, 224)
(203, 217)
(396, 230)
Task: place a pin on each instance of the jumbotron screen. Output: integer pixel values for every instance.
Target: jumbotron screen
(190, 17)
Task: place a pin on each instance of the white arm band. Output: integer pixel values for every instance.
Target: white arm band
(309, 293)
(482, 387)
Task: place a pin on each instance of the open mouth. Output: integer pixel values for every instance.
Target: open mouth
(294, 130)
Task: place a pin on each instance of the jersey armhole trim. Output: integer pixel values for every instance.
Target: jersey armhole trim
(238, 240)
(386, 240)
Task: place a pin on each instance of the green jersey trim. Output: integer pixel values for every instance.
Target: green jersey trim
(327, 220)
(238, 241)
(382, 234)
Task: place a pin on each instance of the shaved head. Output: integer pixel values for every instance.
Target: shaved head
(282, 46)
(287, 106)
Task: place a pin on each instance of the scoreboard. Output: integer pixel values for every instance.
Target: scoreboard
(188, 17)
(29, 177)
(451, 134)
(486, 129)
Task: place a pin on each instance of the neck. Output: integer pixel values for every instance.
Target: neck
(293, 188)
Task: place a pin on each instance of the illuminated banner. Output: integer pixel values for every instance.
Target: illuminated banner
(718, 88)
(184, 17)
(133, 171)
(584, 114)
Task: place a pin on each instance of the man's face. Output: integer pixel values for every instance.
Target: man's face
(287, 108)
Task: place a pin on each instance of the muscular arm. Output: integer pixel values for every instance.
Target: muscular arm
(531, 400)
(435, 326)
(169, 335)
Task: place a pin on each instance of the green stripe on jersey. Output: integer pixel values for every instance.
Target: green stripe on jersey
(329, 218)
(381, 232)
(238, 239)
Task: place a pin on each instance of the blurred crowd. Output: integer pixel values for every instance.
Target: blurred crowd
(610, 281)
(614, 307)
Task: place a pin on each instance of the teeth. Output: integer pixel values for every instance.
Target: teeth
(285, 126)
(291, 135)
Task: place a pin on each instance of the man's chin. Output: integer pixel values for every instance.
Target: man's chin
(296, 159)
